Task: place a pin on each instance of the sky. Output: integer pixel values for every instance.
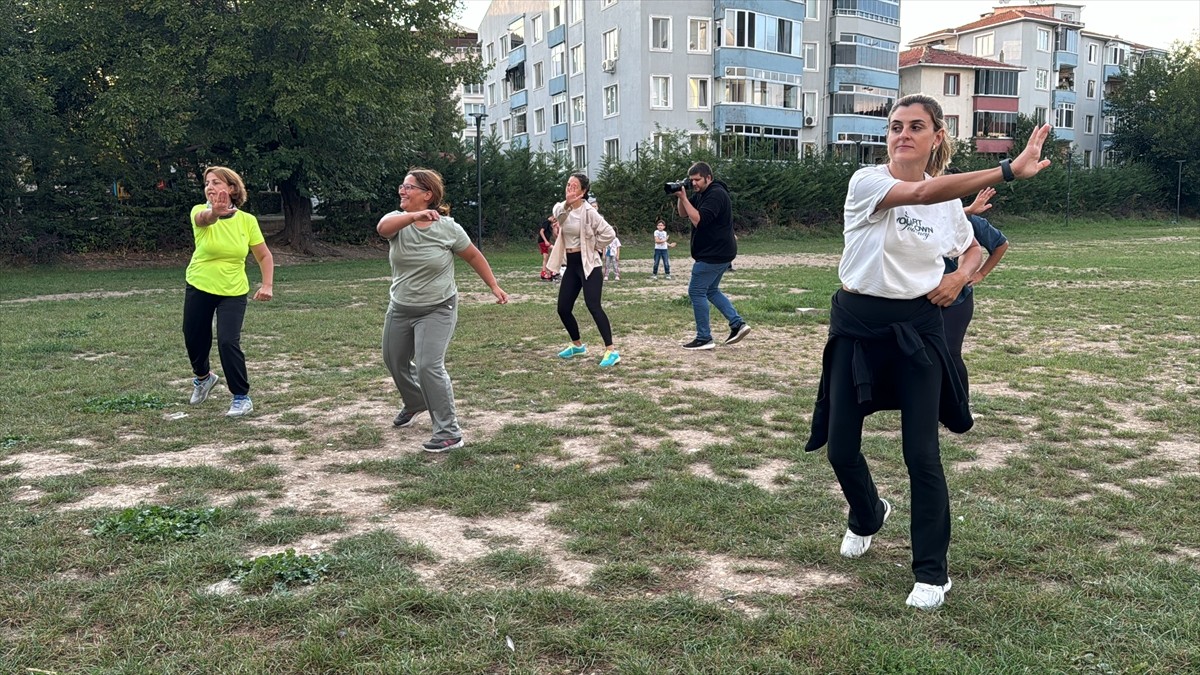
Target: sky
(1157, 23)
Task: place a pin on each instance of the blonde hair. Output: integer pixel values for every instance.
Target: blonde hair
(432, 180)
(939, 159)
(237, 189)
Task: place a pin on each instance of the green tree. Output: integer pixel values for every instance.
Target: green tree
(1157, 114)
(312, 97)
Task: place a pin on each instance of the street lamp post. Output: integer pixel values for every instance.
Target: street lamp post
(479, 118)
(1178, 184)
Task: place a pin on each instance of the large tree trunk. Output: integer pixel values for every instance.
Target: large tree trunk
(297, 233)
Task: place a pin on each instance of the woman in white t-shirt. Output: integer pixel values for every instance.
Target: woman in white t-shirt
(887, 348)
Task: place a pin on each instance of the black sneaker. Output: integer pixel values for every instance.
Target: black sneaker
(442, 444)
(737, 333)
(698, 344)
(405, 418)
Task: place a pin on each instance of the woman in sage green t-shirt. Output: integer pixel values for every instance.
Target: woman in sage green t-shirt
(423, 311)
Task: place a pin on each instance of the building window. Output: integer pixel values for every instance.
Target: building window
(560, 149)
(506, 129)
(612, 148)
(611, 45)
(577, 59)
(698, 97)
(558, 109)
(539, 121)
(952, 126)
(1089, 124)
(1043, 40)
(489, 52)
(579, 156)
(698, 35)
(852, 99)
(1091, 89)
(1109, 123)
(1087, 158)
(558, 60)
(985, 45)
(660, 91)
(537, 29)
(556, 15)
(473, 89)
(1093, 52)
(1039, 115)
(577, 110)
(810, 104)
(519, 124)
(995, 83)
(810, 56)
(516, 33)
(1042, 80)
(491, 97)
(866, 51)
(576, 13)
(539, 79)
(760, 31)
(503, 42)
(472, 109)
(660, 33)
(515, 79)
(608, 3)
(810, 10)
(1116, 56)
(612, 101)
(1064, 116)
(950, 84)
(995, 124)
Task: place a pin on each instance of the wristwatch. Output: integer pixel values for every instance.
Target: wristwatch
(1006, 170)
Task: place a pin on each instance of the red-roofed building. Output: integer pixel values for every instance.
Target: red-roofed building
(1045, 66)
(952, 77)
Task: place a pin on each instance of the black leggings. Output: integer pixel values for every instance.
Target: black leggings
(198, 311)
(957, 318)
(918, 388)
(568, 292)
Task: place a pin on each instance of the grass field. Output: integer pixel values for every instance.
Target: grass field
(657, 517)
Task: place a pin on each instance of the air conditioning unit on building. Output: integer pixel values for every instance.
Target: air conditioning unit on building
(608, 65)
(810, 121)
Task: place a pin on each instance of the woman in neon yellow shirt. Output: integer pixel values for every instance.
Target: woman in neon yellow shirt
(217, 285)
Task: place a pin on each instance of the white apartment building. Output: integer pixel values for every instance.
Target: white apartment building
(1050, 69)
(593, 78)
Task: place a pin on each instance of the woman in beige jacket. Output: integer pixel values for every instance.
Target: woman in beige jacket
(582, 234)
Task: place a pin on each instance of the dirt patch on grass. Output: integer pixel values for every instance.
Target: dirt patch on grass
(86, 295)
(723, 577)
(42, 464)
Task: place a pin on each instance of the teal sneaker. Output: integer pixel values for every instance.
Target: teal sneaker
(572, 350)
(611, 358)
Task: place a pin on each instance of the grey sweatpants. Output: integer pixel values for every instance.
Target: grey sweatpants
(420, 336)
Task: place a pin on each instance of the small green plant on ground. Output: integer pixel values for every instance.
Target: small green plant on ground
(280, 571)
(158, 523)
(125, 404)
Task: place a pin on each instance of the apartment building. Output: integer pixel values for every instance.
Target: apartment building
(469, 94)
(593, 78)
(1050, 69)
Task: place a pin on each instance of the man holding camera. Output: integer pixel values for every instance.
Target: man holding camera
(713, 249)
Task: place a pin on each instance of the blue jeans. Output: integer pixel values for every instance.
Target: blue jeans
(661, 254)
(703, 288)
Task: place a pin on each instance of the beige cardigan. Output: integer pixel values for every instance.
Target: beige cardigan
(595, 234)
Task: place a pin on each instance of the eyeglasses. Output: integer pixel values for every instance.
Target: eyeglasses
(405, 187)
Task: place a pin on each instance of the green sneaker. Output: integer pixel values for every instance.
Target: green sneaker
(572, 350)
(611, 357)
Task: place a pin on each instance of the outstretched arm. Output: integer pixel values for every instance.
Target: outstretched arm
(480, 264)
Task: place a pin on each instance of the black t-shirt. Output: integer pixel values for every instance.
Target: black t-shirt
(547, 229)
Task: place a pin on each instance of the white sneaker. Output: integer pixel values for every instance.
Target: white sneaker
(854, 545)
(240, 407)
(928, 596)
(201, 388)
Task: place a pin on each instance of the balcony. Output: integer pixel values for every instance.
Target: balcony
(558, 132)
(1063, 96)
(558, 84)
(1112, 71)
(556, 36)
(519, 141)
(516, 57)
(1062, 59)
(518, 100)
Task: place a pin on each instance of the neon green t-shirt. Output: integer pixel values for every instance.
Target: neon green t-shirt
(219, 262)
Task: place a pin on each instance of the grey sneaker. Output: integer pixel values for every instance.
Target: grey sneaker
(442, 444)
(242, 405)
(668, 277)
(854, 545)
(405, 418)
(737, 332)
(201, 388)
